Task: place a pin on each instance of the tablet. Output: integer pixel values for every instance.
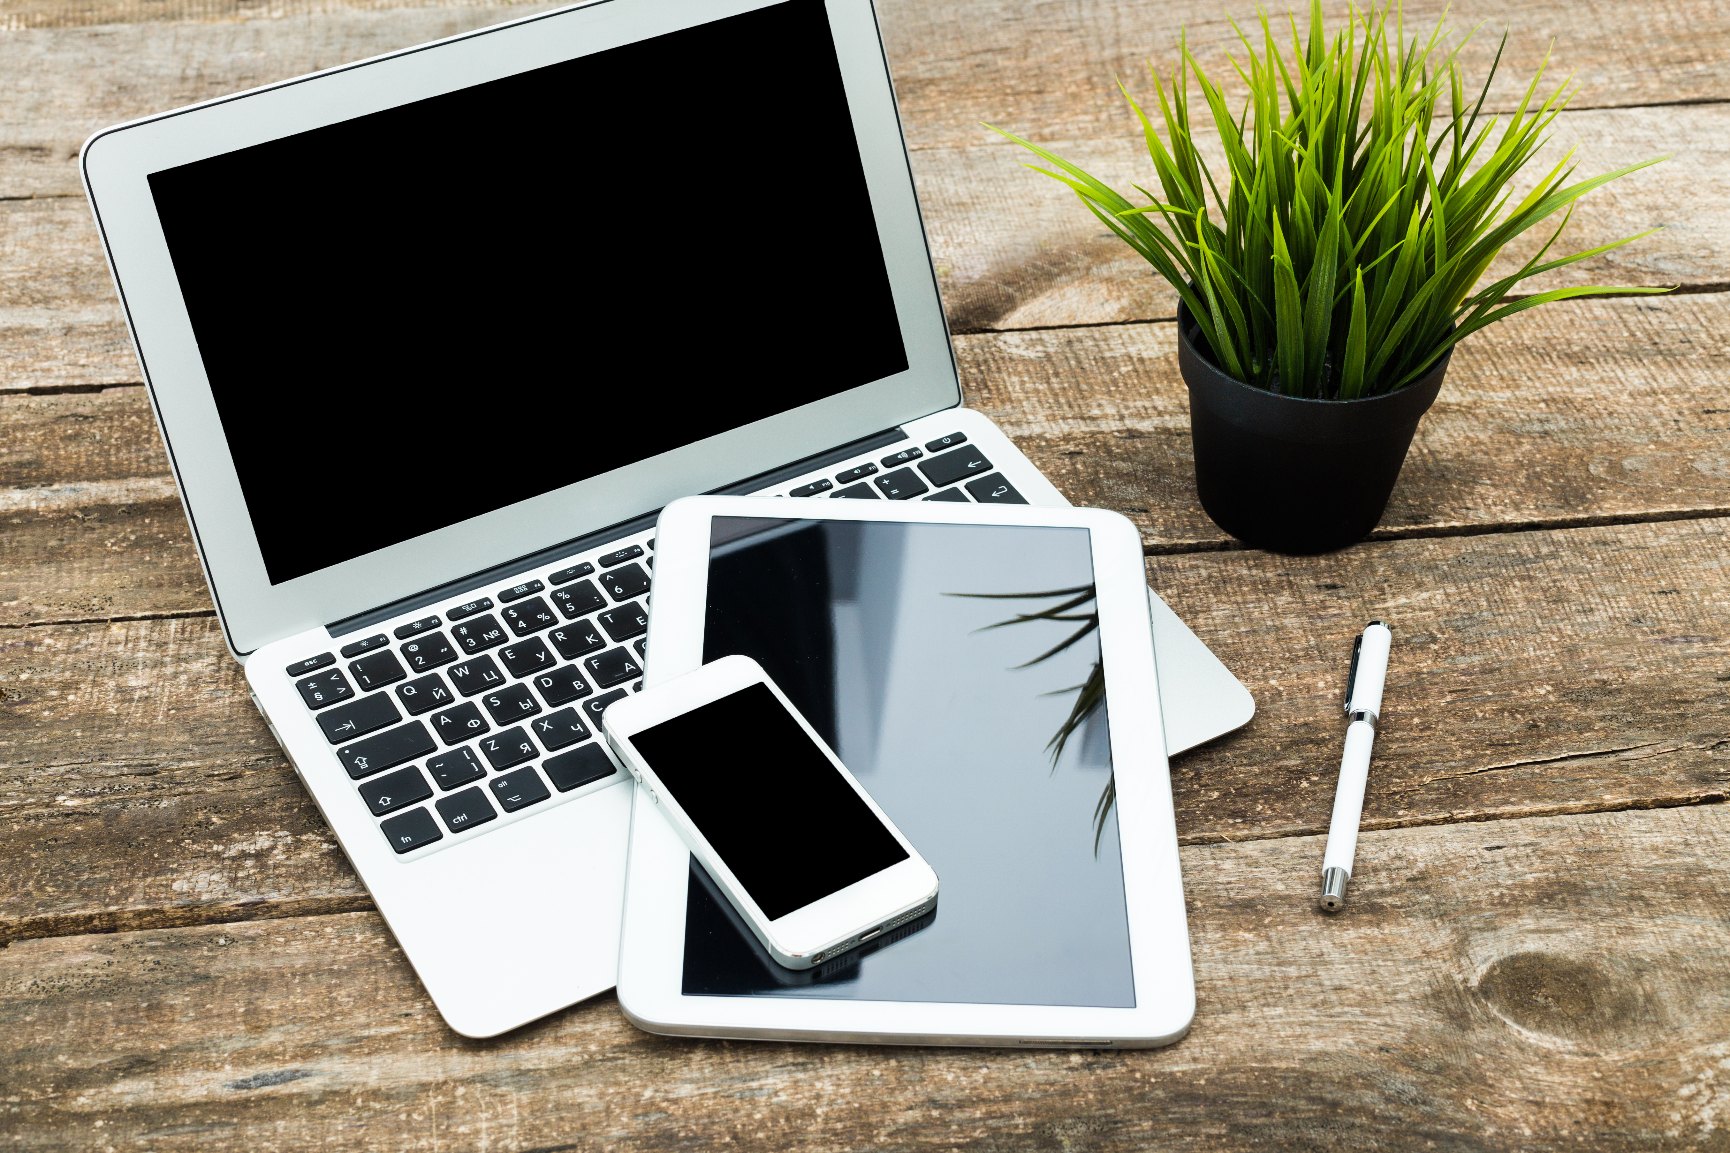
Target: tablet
(987, 673)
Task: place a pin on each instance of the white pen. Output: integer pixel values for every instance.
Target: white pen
(1364, 683)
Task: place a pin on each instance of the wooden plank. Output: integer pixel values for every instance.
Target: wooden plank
(1012, 248)
(1054, 65)
(1586, 413)
(1016, 249)
(101, 552)
(1543, 984)
(1055, 59)
(1583, 413)
(1537, 672)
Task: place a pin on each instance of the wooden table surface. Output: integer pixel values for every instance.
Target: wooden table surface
(1536, 955)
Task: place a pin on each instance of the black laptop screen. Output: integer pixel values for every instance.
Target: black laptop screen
(420, 315)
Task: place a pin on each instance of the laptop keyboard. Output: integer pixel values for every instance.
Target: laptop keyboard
(491, 707)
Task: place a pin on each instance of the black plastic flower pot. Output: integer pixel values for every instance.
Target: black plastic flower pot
(1289, 474)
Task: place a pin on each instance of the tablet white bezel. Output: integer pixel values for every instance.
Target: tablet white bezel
(653, 942)
(117, 161)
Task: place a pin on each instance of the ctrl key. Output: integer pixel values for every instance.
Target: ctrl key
(465, 809)
(408, 831)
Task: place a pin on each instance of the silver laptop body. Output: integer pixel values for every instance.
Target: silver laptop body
(431, 338)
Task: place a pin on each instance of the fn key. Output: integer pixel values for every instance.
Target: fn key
(409, 831)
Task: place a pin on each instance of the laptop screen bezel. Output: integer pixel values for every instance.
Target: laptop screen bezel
(116, 165)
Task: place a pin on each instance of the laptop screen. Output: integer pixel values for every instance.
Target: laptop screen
(417, 316)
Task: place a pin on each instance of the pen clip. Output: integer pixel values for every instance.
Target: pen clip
(1352, 673)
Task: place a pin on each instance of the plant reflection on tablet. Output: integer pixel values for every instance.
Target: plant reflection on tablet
(1079, 606)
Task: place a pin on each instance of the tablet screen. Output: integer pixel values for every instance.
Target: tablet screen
(954, 668)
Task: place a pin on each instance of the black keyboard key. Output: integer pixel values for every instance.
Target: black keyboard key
(456, 725)
(509, 748)
(592, 710)
(578, 767)
(518, 592)
(525, 657)
(952, 466)
(567, 575)
(416, 628)
(579, 599)
(612, 667)
(573, 641)
(620, 556)
(561, 686)
(457, 767)
(387, 750)
(625, 622)
(815, 488)
(905, 456)
(557, 730)
(944, 442)
(367, 715)
(364, 646)
(377, 670)
(902, 484)
(481, 633)
(511, 704)
(860, 491)
(952, 495)
(530, 617)
(311, 664)
(858, 473)
(411, 830)
(325, 689)
(464, 810)
(476, 676)
(396, 791)
(423, 694)
(641, 644)
(994, 489)
(518, 790)
(470, 608)
(428, 652)
(624, 583)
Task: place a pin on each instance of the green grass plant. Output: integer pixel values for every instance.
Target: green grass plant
(1368, 193)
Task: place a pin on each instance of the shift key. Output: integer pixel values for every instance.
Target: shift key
(387, 750)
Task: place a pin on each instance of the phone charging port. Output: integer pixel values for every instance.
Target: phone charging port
(867, 936)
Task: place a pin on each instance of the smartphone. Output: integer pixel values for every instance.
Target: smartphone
(792, 841)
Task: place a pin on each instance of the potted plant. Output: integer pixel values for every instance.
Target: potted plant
(1324, 285)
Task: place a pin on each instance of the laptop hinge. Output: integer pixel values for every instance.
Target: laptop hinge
(590, 540)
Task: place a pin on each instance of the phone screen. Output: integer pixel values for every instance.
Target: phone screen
(790, 827)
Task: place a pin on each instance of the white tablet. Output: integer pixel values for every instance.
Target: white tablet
(987, 673)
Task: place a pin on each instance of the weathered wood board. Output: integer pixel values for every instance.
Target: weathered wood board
(1543, 984)
(1539, 672)
(1536, 954)
(1589, 412)
(1012, 249)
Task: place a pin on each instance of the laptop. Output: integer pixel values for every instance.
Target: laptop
(431, 338)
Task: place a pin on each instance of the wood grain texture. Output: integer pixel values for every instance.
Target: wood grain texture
(1540, 984)
(1054, 63)
(1051, 56)
(1538, 672)
(1016, 249)
(1012, 249)
(1587, 413)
